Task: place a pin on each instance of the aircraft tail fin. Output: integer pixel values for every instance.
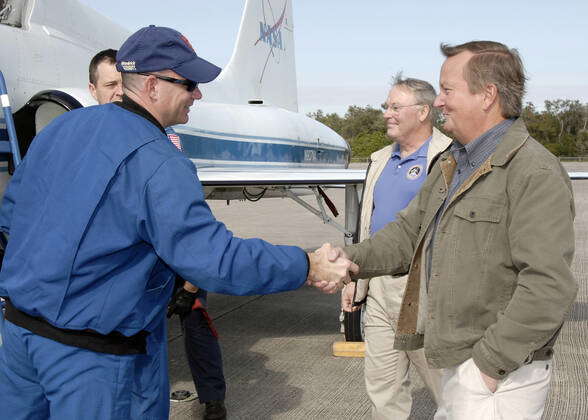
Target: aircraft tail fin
(262, 67)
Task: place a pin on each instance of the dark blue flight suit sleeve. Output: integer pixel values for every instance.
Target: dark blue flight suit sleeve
(178, 223)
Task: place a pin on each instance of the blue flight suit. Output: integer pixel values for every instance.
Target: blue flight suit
(102, 213)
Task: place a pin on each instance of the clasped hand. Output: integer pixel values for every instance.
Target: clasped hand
(329, 268)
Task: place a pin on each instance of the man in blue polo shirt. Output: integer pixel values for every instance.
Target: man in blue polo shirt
(395, 175)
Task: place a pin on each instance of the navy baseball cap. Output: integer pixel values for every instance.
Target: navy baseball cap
(156, 48)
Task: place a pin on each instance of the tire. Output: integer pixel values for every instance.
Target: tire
(353, 324)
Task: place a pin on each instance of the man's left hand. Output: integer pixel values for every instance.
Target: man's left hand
(491, 383)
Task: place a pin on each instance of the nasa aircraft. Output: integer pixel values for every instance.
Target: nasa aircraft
(246, 135)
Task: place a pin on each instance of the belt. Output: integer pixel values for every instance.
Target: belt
(112, 343)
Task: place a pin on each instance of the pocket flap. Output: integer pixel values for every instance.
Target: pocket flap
(479, 209)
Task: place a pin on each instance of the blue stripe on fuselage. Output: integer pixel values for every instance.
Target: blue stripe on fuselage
(200, 147)
(182, 129)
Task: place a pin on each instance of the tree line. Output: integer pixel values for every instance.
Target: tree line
(562, 127)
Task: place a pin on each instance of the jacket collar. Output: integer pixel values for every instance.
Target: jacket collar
(514, 138)
(383, 153)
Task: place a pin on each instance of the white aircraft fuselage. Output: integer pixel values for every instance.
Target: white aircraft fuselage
(247, 118)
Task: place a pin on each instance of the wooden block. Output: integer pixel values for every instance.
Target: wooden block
(349, 349)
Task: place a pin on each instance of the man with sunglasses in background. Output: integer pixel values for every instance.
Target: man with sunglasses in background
(97, 236)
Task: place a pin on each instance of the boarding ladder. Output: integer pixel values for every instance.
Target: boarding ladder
(8, 139)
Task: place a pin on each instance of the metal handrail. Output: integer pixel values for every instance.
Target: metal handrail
(5, 103)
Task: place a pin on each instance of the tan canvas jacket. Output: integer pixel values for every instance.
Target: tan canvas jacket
(378, 160)
(500, 282)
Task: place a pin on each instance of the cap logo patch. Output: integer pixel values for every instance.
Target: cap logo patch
(128, 65)
(187, 42)
(414, 172)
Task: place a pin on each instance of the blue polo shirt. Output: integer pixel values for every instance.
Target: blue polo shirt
(398, 183)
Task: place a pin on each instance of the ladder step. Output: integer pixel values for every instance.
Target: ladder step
(8, 140)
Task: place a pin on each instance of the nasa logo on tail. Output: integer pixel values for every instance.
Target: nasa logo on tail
(271, 34)
(267, 35)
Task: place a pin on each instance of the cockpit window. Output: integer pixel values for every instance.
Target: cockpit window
(11, 12)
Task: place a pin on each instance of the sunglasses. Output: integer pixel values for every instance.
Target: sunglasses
(190, 85)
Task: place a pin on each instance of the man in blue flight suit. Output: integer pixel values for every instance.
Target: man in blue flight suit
(202, 346)
(101, 213)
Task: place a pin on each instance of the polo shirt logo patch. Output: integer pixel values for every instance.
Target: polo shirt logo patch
(414, 172)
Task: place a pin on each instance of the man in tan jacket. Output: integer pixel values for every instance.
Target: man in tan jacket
(487, 243)
(394, 177)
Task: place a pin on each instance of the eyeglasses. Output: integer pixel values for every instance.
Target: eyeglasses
(396, 108)
(190, 85)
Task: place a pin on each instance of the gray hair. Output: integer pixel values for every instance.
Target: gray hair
(423, 92)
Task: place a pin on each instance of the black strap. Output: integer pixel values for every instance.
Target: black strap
(112, 343)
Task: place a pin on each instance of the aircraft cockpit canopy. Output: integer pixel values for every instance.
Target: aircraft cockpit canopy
(11, 12)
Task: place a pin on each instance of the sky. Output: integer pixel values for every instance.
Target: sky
(348, 50)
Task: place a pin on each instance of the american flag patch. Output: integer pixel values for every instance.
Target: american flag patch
(175, 139)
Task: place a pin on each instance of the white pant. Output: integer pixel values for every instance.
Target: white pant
(386, 370)
(521, 395)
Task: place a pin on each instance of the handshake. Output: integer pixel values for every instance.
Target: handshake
(329, 268)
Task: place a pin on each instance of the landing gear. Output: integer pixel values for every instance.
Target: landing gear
(353, 324)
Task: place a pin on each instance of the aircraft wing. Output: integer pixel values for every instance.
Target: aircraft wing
(217, 177)
(578, 175)
(272, 176)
